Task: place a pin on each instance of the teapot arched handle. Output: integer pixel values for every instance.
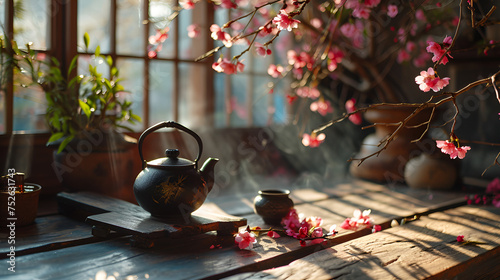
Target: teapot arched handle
(170, 124)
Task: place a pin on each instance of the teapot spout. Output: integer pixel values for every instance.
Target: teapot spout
(207, 173)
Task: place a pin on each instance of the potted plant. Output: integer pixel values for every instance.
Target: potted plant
(84, 114)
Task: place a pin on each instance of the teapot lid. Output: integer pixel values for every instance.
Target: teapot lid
(171, 161)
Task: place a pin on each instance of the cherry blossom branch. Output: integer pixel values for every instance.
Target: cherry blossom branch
(447, 97)
(495, 162)
(252, 14)
(455, 36)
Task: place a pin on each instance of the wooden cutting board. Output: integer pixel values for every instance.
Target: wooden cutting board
(107, 215)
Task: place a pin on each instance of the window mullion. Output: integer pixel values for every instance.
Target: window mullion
(9, 88)
(145, 93)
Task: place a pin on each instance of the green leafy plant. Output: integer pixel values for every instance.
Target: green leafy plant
(80, 103)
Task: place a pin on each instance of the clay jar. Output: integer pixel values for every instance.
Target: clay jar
(388, 166)
(432, 171)
(25, 207)
(273, 205)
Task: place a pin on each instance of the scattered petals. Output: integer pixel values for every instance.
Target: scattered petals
(359, 220)
(376, 228)
(273, 234)
(460, 238)
(245, 239)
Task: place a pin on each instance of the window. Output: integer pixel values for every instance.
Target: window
(171, 86)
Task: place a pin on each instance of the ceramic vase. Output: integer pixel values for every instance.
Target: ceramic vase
(273, 205)
(388, 166)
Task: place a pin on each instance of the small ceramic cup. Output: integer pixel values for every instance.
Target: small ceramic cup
(20, 208)
(273, 205)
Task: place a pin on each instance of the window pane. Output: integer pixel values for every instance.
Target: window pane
(31, 23)
(132, 73)
(279, 103)
(129, 28)
(2, 16)
(239, 111)
(192, 47)
(29, 109)
(192, 95)
(94, 18)
(160, 94)
(159, 12)
(262, 101)
(85, 60)
(220, 101)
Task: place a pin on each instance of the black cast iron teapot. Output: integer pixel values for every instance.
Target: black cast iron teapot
(173, 187)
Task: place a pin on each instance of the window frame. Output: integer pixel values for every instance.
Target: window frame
(62, 45)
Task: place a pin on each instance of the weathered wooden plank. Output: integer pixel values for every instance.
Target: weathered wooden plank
(47, 233)
(242, 204)
(193, 258)
(426, 248)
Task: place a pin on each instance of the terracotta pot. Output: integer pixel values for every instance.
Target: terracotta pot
(24, 208)
(273, 205)
(102, 163)
(435, 172)
(389, 165)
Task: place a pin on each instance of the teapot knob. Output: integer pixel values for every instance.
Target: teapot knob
(172, 153)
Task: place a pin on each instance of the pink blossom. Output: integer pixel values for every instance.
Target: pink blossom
(224, 65)
(334, 58)
(245, 239)
(193, 30)
(428, 80)
(284, 21)
(218, 34)
(420, 15)
(275, 71)
(359, 219)
(313, 141)
(261, 50)
(152, 54)
(438, 51)
(304, 228)
(493, 186)
(350, 106)
(273, 234)
(349, 30)
(228, 4)
(460, 238)
(187, 4)
(308, 92)
(361, 11)
(333, 230)
(372, 3)
(290, 98)
(403, 56)
(450, 149)
(392, 11)
(321, 106)
(160, 36)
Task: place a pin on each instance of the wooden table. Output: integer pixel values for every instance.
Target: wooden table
(61, 246)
